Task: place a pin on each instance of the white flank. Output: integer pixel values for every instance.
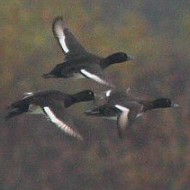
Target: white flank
(60, 124)
(35, 109)
(94, 77)
(61, 36)
(108, 92)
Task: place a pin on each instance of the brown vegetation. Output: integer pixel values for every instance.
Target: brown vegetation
(156, 152)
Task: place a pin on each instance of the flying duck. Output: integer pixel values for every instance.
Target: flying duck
(79, 63)
(125, 108)
(52, 104)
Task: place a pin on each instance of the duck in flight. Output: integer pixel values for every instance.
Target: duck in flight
(79, 63)
(52, 104)
(123, 107)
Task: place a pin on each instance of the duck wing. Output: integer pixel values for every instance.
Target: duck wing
(94, 72)
(129, 111)
(56, 113)
(67, 41)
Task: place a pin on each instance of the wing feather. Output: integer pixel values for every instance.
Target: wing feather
(67, 41)
(97, 75)
(68, 130)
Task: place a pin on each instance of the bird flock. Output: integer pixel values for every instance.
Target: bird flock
(119, 105)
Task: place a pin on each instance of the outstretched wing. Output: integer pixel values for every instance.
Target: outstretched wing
(57, 115)
(69, 44)
(95, 73)
(122, 120)
(129, 111)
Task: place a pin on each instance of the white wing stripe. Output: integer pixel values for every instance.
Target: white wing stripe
(61, 36)
(63, 44)
(94, 77)
(60, 124)
(123, 118)
(123, 121)
(122, 108)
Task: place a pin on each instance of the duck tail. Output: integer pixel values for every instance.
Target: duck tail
(16, 109)
(13, 112)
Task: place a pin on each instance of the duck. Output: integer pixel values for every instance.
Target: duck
(52, 104)
(78, 62)
(121, 106)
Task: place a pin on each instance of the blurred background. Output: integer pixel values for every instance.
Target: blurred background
(156, 152)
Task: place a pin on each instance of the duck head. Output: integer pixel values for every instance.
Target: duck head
(119, 57)
(85, 95)
(164, 103)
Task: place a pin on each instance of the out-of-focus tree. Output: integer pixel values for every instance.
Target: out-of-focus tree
(155, 153)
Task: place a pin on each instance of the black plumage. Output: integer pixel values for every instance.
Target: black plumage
(53, 104)
(126, 108)
(78, 61)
